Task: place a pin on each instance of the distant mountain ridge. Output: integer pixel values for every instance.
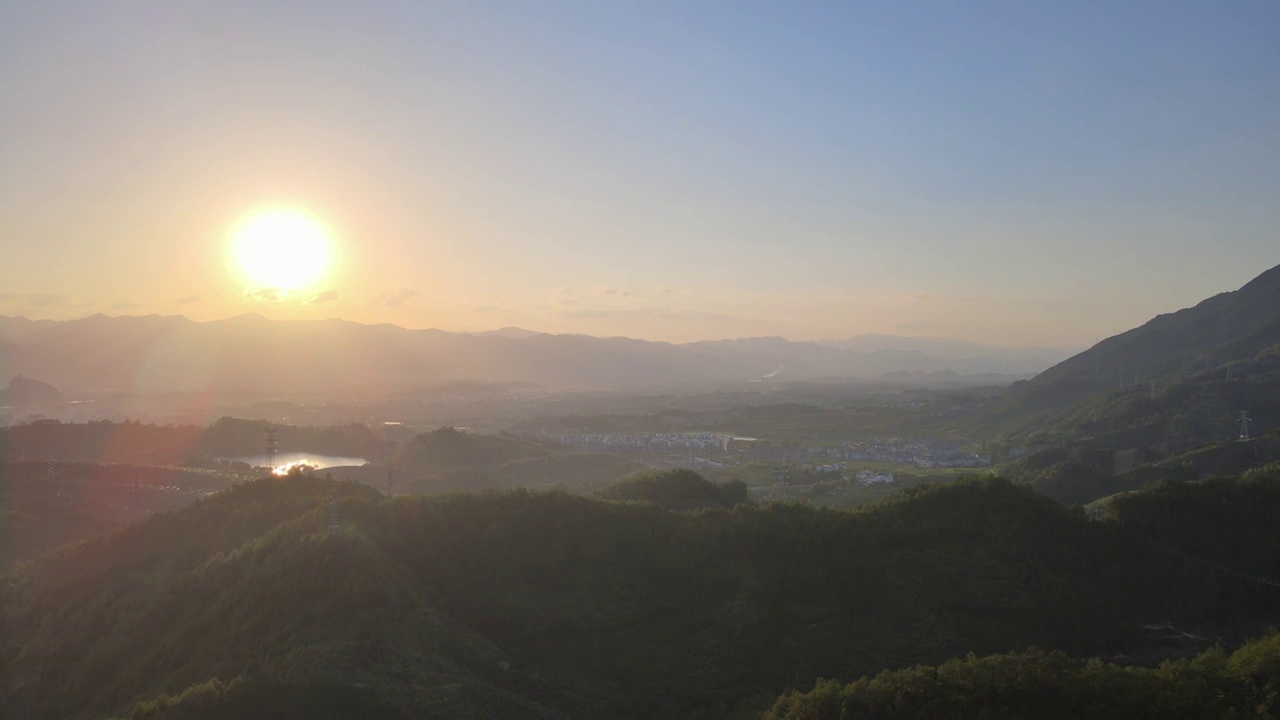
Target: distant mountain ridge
(948, 347)
(252, 353)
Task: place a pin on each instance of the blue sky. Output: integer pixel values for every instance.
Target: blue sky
(1022, 173)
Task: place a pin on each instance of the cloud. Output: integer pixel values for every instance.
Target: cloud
(189, 299)
(646, 312)
(395, 298)
(562, 296)
(48, 300)
(44, 300)
(917, 325)
(324, 297)
(124, 305)
(956, 298)
(671, 292)
(266, 294)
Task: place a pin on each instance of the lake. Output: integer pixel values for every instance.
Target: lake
(295, 458)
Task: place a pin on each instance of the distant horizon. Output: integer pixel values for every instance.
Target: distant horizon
(493, 331)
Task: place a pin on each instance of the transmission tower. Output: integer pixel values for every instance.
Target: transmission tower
(56, 479)
(391, 488)
(1244, 425)
(272, 445)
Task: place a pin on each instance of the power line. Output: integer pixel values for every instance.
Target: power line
(1100, 513)
(57, 478)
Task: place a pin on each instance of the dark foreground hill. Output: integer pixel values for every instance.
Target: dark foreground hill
(1052, 686)
(524, 604)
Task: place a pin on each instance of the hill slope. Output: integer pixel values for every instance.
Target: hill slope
(1052, 686)
(527, 604)
(1177, 381)
(676, 490)
(24, 392)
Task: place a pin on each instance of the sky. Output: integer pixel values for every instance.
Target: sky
(1019, 173)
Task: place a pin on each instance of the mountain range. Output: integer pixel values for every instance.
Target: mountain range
(251, 353)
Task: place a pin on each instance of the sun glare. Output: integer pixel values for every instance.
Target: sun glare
(282, 249)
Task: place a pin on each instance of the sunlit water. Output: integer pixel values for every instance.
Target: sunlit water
(286, 460)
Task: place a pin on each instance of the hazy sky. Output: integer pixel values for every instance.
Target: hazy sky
(1016, 172)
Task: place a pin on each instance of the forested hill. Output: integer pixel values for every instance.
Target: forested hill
(1165, 342)
(524, 604)
(676, 490)
(1176, 381)
(1053, 686)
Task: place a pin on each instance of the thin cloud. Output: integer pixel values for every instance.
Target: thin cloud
(917, 325)
(189, 299)
(44, 300)
(646, 312)
(48, 300)
(956, 298)
(324, 297)
(395, 298)
(266, 295)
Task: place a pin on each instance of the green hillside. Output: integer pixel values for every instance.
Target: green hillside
(1178, 381)
(1080, 474)
(527, 604)
(447, 460)
(1052, 686)
(676, 490)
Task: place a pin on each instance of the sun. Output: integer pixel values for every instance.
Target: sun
(282, 249)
